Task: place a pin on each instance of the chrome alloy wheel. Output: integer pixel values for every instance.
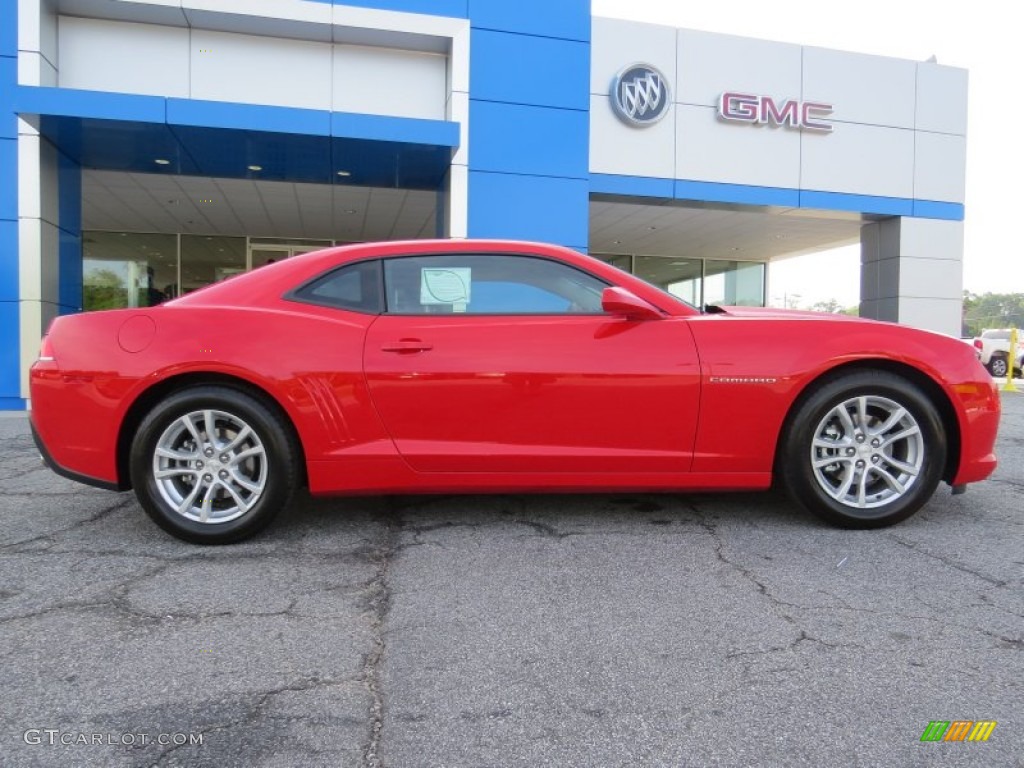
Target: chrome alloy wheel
(210, 466)
(867, 452)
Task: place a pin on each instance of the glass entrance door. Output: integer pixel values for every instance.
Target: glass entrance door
(267, 253)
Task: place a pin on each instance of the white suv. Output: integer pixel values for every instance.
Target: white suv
(993, 347)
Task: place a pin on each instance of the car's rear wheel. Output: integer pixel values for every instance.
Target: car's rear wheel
(997, 366)
(864, 450)
(213, 465)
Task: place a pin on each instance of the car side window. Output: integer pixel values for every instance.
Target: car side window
(478, 284)
(354, 287)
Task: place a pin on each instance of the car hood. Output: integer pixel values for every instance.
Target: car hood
(771, 313)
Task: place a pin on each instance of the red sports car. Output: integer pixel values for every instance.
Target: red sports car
(487, 366)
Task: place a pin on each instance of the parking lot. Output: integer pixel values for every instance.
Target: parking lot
(611, 630)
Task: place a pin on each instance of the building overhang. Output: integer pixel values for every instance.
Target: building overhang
(218, 139)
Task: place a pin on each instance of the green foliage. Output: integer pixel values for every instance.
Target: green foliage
(835, 308)
(104, 289)
(992, 310)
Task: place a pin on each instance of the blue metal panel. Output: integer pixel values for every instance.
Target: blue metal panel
(118, 145)
(10, 320)
(569, 19)
(736, 193)
(8, 82)
(530, 70)
(530, 120)
(71, 102)
(511, 138)
(69, 276)
(457, 8)
(409, 130)
(9, 29)
(931, 209)
(839, 201)
(253, 117)
(540, 208)
(225, 153)
(10, 353)
(69, 194)
(220, 152)
(633, 186)
(69, 248)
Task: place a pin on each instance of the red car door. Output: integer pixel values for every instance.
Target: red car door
(555, 389)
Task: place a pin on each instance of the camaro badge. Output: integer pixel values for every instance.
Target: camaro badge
(743, 379)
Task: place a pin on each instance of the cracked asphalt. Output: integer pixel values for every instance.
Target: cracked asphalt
(610, 630)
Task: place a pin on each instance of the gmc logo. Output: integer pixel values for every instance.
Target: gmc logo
(763, 110)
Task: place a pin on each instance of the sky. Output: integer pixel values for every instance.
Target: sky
(977, 36)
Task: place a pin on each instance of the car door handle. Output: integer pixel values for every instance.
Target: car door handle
(407, 346)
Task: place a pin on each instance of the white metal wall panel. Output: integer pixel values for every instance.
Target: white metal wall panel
(383, 81)
(124, 57)
(940, 164)
(278, 18)
(860, 160)
(931, 278)
(617, 148)
(864, 89)
(941, 99)
(710, 64)
(937, 239)
(616, 45)
(37, 43)
(260, 70)
(941, 315)
(708, 150)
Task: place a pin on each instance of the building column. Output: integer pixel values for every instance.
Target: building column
(49, 241)
(455, 220)
(912, 272)
(10, 386)
(529, 131)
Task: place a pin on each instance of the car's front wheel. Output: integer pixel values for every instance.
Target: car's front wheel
(213, 465)
(864, 450)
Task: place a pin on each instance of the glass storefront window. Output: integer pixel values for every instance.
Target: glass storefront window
(621, 260)
(734, 283)
(208, 259)
(130, 269)
(127, 269)
(680, 277)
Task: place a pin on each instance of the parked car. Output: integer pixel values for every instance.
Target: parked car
(492, 366)
(993, 350)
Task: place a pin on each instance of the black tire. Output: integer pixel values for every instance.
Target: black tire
(844, 478)
(252, 474)
(997, 366)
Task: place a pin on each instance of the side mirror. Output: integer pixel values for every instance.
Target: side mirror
(619, 301)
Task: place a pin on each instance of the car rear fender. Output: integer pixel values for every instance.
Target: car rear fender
(146, 398)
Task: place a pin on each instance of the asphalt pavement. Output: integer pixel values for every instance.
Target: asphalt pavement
(600, 630)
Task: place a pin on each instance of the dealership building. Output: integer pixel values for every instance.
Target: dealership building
(149, 147)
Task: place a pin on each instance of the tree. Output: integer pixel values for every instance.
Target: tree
(831, 305)
(992, 310)
(104, 289)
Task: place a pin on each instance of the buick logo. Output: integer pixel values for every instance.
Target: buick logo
(640, 95)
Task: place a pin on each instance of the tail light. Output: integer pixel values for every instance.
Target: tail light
(46, 350)
(978, 344)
